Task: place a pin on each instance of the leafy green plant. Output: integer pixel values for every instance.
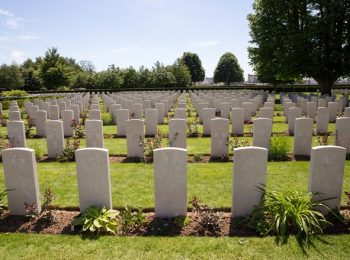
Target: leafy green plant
(279, 149)
(107, 119)
(193, 128)
(322, 140)
(68, 154)
(79, 130)
(97, 219)
(131, 221)
(286, 213)
(14, 93)
(3, 204)
(197, 157)
(46, 209)
(236, 143)
(149, 145)
(3, 120)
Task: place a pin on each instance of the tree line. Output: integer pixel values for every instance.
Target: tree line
(55, 72)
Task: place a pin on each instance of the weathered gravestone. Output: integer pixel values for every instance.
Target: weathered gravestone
(294, 113)
(342, 133)
(122, 118)
(219, 137)
(208, 115)
(93, 173)
(249, 173)
(177, 133)
(303, 136)
(262, 130)
(322, 120)
(67, 118)
(326, 174)
(237, 115)
(41, 117)
(135, 138)
(54, 138)
(21, 179)
(16, 134)
(151, 122)
(170, 182)
(94, 133)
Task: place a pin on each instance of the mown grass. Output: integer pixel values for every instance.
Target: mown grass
(29, 246)
(132, 183)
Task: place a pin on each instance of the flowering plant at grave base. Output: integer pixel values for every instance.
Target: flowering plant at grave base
(322, 140)
(149, 145)
(192, 128)
(31, 209)
(3, 120)
(78, 129)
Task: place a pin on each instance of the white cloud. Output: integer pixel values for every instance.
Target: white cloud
(204, 44)
(17, 56)
(27, 37)
(4, 39)
(5, 13)
(13, 24)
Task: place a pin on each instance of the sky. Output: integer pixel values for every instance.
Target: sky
(126, 32)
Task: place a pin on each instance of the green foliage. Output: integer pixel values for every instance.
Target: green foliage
(197, 157)
(68, 153)
(14, 93)
(194, 64)
(181, 73)
(279, 149)
(131, 221)
(296, 39)
(97, 219)
(288, 212)
(149, 145)
(11, 77)
(3, 204)
(193, 128)
(228, 70)
(107, 119)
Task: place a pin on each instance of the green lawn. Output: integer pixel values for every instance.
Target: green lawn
(29, 246)
(132, 183)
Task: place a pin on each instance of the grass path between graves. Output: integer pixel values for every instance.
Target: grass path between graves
(29, 246)
(132, 183)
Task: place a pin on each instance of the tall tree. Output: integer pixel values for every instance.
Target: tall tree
(194, 64)
(10, 77)
(181, 73)
(228, 70)
(301, 38)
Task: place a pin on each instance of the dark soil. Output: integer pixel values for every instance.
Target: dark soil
(59, 222)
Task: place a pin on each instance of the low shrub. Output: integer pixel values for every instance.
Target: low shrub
(193, 129)
(3, 120)
(107, 119)
(68, 154)
(149, 145)
(279, 149)
(289, 212)
(3, 204)
(236, 143)
(197, 157)
(79, 129)
(14, 93)
(97, 220)
(131, 221)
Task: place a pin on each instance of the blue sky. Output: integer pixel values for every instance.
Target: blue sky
(125, 33)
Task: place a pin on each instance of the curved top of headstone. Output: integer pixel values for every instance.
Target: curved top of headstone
(328, 147)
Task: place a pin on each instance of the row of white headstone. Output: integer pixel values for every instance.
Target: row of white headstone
(170, 178)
